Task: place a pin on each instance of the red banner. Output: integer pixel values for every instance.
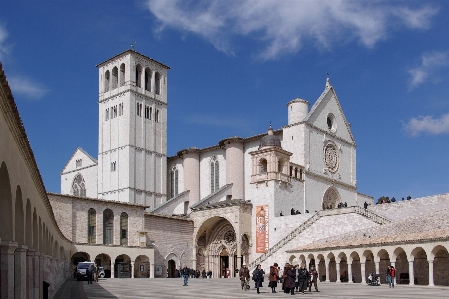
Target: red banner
(262, 229)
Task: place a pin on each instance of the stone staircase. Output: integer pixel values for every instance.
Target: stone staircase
(306, 224)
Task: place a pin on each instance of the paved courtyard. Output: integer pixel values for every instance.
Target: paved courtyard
(230, 288)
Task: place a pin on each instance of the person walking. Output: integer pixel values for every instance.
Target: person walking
(392, 276)
(273, 277)
(244, 276)
(96, 270)
(258, 274)
(289, 280)
(313, 279)
(89, 273)
(185, 274)
(388, 276)
(303, 277)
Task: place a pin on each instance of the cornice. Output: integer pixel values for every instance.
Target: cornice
(135, 147)
(330, 180)
(130, 90)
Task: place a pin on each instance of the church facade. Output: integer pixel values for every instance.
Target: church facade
(235, 191)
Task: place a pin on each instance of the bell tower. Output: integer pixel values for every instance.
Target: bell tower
(132, 139)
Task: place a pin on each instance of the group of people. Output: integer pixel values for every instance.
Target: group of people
(294, 278)
(390, 275)
(294, 212)
(186, 273)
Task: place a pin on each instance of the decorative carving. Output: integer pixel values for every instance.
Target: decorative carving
(229, 237)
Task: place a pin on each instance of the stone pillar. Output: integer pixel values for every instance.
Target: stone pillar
(431, 283)
(394, 265)
(41, 273)
(112, 270)
(7, 249)
(362, 270)
(231, 266)
(132, 269)
(350, 273)
(239, 255)
(411, 274)
(377, 264)
(327, 271)
(30, 272)
(338, 272)
(194, 249)
(20, 273)
(35, 275)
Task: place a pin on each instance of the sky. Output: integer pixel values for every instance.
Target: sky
(234, 67)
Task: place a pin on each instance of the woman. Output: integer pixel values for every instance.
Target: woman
(303, 277)
(258, 274)
(388, 276)
(289, 284)
(273, 277)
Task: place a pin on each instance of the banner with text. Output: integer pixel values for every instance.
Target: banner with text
(262, 229)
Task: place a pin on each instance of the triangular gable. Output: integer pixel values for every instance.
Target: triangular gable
(79, 153)
(328, 103)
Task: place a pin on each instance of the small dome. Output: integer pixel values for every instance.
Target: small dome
(270, 140)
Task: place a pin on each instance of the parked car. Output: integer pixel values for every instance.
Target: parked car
(81, 270)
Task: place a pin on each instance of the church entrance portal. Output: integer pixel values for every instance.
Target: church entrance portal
(171, 268)
(224, 263)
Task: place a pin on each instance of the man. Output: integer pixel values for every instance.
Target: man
(96, 273)
(313, 279)
(89, 273)
(185, 274)
(244, 276)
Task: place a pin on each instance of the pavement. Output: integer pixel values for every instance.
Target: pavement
(164, 288)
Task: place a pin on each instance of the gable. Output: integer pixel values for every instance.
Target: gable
(326, 106)
(79, 160)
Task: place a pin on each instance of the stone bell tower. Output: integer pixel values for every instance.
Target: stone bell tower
(132, 139)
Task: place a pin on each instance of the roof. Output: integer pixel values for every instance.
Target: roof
(84, 152)
(134, 52)
(99, 200)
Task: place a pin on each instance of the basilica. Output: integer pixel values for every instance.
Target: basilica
(288, 194)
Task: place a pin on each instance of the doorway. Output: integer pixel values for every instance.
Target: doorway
(224, 262)
(171, 268)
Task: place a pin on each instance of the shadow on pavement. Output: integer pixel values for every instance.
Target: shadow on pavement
(73, 289)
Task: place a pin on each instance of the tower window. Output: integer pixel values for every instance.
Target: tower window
(147, 112)
(107, 77)
(139, 109)
(114, 80)
(113, 166)
(174, 182)
(157, 83)
(122, 74)
(120, 109)
(107, 114)
(138, 75)
(156, 117)
(214, 175)
(147, 79)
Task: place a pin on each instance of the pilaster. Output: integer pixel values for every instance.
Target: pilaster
(7, 249)
(20, 272)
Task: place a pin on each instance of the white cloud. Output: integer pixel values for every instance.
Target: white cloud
(26, 87)
(3, 46)
(428, 124)
(431, 64)
(285, 26)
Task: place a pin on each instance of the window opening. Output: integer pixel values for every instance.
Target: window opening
(122, 74)
(124, 229)
(92, 225)
(108, 226)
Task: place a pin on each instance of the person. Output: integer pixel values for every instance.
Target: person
(365, 205)
(303, 277)
(298, 212)
(244, 276)
(393, 275)
(96, 270)
(409, 197)
(346, 204)
(313, 279)
(292, 211)
(203, 273)
(388, 276)
(258, 274)
(281, 214)
(209, 274)
(273, 277)
(185, 275)
(289, 280)
(89, 273)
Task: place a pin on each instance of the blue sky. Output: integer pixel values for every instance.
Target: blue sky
(234, 67)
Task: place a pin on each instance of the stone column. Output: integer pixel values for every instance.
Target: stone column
(35, 275)
(41, 273)
(7, 249)
(132, 270)
(30, 272)
(431, 283)
(231, 266)
(327, 271)
(350, 273)
(112, 270)
(377, 264)
(338, 272)
(20, 273)
(362, 270)
(411, 274)
(239, 255)
(194, 249)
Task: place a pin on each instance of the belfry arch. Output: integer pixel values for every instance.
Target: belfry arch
(331, 198)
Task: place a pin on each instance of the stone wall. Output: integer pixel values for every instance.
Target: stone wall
(173, 239)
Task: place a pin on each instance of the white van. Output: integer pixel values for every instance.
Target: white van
(81, 270)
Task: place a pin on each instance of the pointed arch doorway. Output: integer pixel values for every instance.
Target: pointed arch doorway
(331, 198)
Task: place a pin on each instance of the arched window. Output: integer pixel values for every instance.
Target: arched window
(91, 226)
(174, 182)
(214, 175)
(107, 77)
(157, 83)
(156, 116)
(108, 227)
(262, 166)
(122, 74)
(114, 80)
(138, 75)
(301, 175)
(148, 79)
(124, 229)
(281, 166)
(78, 186)
(296, 172)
